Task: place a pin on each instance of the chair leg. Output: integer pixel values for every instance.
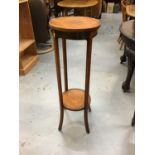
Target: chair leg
(61, 118)
(86, 120)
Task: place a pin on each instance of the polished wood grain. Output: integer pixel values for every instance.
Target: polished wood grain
(76, 4)
(130, 10)
(74, 24)
(73, 99)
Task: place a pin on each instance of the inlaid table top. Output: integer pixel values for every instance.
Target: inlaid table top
(130, 10)
(74, 24)
(77, 3)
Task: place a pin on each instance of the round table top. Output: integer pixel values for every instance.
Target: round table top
(130, 10)
(75, 24)
(77, 3)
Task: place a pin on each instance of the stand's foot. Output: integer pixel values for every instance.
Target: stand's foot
(61, 119)
(86, 120)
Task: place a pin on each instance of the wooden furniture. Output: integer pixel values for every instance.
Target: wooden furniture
(124, 18)
(27, 48)
(127, 30)
(76, 5)
(123, 10)
(76, 28)
(54, 9)
(97, 9)
(130, 11)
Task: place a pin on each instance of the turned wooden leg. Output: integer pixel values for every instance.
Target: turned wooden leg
(65, 63)
(123, 57)
(126, 83)
(87, 81)
(58, 71)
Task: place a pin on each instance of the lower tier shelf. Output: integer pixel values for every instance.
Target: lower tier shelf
(73, 99)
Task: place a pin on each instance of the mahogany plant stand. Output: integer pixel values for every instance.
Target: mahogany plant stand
(75, 28)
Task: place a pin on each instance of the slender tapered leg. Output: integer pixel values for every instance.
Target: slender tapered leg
(86, 120)
(61, 118)
(87, 81)
(65, 63)
(58, 71)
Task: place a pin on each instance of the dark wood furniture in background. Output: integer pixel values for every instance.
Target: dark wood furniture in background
(27, 46)
(81, 5)
(127, 30)
(54, 9)
(124, 18)
(128, 13)
(76, 28)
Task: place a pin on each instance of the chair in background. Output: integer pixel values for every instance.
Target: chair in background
(123, 10)
(124, 18)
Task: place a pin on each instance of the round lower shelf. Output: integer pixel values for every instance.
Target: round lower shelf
(73, 99)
